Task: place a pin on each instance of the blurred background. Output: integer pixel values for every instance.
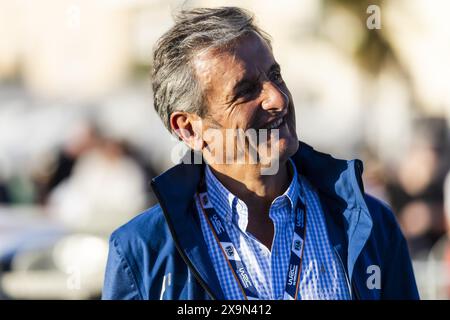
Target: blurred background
(80, 141)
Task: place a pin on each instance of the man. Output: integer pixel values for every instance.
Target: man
(291, 223)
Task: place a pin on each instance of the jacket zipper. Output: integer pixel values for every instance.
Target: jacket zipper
(181, 252)
(351, 288)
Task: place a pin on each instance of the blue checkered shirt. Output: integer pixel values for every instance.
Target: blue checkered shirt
(322, 276)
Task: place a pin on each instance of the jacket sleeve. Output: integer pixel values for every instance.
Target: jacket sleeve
(119, 283)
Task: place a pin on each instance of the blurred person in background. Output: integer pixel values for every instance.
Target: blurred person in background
(84, 189)
(227, 231)
(415, 187)
(104, 188)
(82, 137)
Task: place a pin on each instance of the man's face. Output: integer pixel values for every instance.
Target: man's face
(244, 90)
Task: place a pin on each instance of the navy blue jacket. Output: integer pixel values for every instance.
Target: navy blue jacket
(161, 254)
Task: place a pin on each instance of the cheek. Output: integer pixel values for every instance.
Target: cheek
(242, 117)
(254, 115)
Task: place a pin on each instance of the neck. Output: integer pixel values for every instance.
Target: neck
(247, 183)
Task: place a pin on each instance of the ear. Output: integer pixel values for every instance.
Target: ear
(188, 127)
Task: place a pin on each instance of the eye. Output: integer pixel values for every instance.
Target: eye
(249, 90)
(276, 77)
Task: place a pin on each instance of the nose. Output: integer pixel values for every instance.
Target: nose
(273, 98)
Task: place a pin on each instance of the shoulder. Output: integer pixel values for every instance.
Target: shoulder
(385, 223)
(379, 210)
(132, 247)
(148, 229)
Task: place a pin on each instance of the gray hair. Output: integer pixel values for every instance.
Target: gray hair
(174, 82)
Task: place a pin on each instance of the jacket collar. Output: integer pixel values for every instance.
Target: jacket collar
(340, 188)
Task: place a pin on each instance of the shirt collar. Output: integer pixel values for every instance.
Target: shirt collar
(232, 209)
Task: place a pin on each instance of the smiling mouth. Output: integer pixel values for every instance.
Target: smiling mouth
(275, 124)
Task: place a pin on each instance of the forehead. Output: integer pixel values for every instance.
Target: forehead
(219, 71)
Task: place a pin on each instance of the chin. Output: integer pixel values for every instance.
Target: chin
(286, 147)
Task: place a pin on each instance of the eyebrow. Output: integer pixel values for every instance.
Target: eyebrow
(250, 81)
